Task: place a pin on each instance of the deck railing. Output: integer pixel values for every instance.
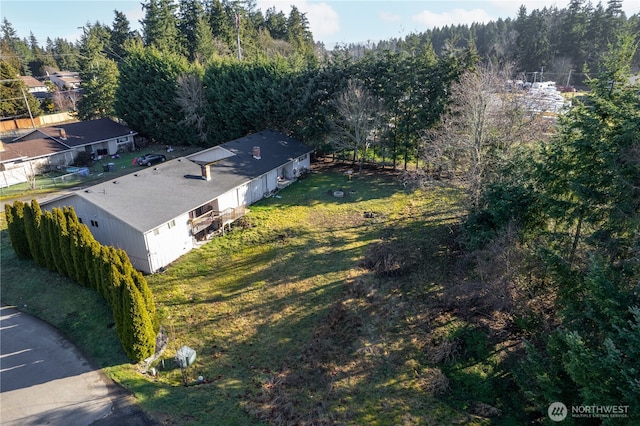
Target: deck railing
(217, 218)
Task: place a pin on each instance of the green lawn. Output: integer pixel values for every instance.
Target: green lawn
(60, 179)
(288, 324)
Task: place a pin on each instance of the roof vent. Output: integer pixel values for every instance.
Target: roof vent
(63, 134)
(116, 182)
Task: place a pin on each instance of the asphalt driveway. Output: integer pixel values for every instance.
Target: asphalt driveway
(44, 379)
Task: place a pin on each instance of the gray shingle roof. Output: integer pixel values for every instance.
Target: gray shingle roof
(155, 195)
(33, 148)
(85, 132)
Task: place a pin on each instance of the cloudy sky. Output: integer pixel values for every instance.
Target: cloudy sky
(331, 21)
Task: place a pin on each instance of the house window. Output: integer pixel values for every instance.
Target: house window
(156, 231)
(172, 224)
(302, 158)
(80, 220)
(94, 223)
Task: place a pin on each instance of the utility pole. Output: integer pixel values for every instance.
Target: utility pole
(569, 78)
(33, 124)
(238, 35)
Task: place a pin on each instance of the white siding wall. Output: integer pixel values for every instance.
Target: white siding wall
(14, 173)
(255, 190)
(301, 163)
(227, 200)
(108, 230)
(168, 242)
(242, 193)
(272, 180)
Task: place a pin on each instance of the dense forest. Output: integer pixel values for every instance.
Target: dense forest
(551, 241)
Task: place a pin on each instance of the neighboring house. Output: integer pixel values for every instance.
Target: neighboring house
(56, 147)
(100, 137)
(34, 85)
(19, 162)
(65, 80)
(159, 213)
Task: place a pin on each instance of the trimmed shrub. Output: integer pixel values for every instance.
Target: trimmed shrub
(32, 219)
(138, 336)
(64, 258)
(15, 226)
(56, 239)
(141, 284)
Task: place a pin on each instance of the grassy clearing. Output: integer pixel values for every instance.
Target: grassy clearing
(318, 310)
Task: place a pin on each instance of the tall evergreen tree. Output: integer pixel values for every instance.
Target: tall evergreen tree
(39, 59)
(160, 26)
(66, 54)
(614, 8)
(298, 33)
(121, 34)
(190, 12)
(533, 42)
(573, 42)
(207, 47)
(276, 23)
(221, 20)
(99, 74)
(99, 83)
(13, 93)
(146, 94)
(14, 51)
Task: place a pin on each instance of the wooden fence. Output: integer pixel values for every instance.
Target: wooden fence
(26, 123)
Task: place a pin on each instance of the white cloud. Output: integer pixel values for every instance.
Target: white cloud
(389, 17)
(323, 19)
(456, 16)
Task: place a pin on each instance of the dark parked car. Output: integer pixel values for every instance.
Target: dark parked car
(150, 159)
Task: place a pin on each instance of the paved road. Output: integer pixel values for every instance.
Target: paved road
(45, 380)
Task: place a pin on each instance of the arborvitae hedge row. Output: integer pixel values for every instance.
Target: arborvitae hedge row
(17, 232)
(57, 240)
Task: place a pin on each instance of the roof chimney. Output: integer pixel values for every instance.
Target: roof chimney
(206, 171)
(256, 152)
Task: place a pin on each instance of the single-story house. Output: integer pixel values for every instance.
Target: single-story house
(100, 137)
(161, 212)
(56, 147)
(19, 162)
(34, 85)
(65, 80)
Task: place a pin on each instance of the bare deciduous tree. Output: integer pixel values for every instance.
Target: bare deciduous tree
(190, 98)
(66, 100)
(485, 123)
(357, 123)
(73, 97)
